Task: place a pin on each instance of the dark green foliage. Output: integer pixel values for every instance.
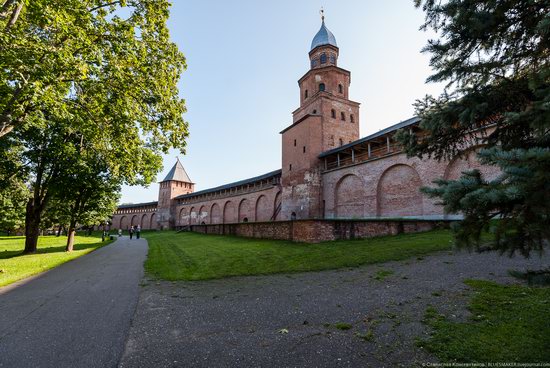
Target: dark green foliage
(507, 324)
(382, 274)
(495, 58)
(88, 102)
(13, 192)
(343, 326)
(12, 206)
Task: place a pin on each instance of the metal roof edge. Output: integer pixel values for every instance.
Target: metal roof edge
(387, 130)
(231, 185)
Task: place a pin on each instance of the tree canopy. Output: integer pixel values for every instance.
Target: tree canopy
(495, 58)
(90, 75)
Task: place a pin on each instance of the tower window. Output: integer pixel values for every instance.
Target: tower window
(323, 58)
(290, 167)
(340, 89)
(305, 94)
(341, 142)
(314, 112)
(332, 59)
(333, 113)
(321, 87)
(342, 116)
(304, 149)
(295, 143)
(313, 63)
(351, 118)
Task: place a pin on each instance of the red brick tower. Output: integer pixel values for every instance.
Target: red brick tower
(325, 119)
(175, 183)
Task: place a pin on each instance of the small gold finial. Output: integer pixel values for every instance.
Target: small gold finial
(322, 12)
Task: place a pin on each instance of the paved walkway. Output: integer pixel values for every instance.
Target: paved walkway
(289, 320)
(76, 315)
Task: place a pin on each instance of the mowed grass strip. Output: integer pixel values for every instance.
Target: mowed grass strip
(191, 256)
(508, 323)
(51, 253)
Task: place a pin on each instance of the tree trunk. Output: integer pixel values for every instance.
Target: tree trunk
(15, 15)
(58, 231)
(32, 226)
(70, 236)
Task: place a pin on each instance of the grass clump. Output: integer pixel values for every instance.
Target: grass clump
(367, 336)
(191, 256)
(14, 265)
(382, 274)
(506, 325)
(343, 326)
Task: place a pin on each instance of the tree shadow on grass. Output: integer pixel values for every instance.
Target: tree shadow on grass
(53, 249)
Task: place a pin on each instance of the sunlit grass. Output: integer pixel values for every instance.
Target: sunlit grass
(191, 256)
(15, 266)
(508, 323)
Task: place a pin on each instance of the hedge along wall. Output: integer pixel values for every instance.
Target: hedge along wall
(315, 231)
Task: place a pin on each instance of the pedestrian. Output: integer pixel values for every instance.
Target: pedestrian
(131, 232)
(119, 233)
(138, 231)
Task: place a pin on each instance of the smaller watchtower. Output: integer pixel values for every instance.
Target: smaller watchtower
(176, 183)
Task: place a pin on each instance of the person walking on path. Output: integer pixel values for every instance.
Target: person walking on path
(138, 231)
(131, 232)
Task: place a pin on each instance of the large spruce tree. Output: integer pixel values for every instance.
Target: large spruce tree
(494, 56)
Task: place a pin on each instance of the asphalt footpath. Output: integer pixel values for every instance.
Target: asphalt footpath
(75, 315)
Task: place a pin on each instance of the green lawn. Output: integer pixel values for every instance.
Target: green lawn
(508, 324)
(191, 256)
(51, 253)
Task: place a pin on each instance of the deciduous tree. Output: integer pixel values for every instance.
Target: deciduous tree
(101, 73)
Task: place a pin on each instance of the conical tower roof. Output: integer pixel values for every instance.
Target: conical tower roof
(178, 173)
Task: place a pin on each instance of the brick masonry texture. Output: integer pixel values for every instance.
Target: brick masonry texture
(315, 231)
(318, 192)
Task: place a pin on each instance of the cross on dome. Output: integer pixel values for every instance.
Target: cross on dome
(324, 36)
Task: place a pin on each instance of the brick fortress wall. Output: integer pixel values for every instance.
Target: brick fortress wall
(327, 173)
(390, 186)
(315, 231)
(247, 205)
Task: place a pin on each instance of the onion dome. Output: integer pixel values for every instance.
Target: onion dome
(323, 37)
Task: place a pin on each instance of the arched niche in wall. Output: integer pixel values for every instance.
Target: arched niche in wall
(123, 223)
(215, 214)
(203, 215)
(183, 217)
(193, 217)
(277, 207)
(229, 213)
(153, 223)
(349, 197)
(398, 192)
(143, 222)
(262, 209)
(244, 210)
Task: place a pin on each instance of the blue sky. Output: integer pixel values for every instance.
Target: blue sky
(245, 57)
